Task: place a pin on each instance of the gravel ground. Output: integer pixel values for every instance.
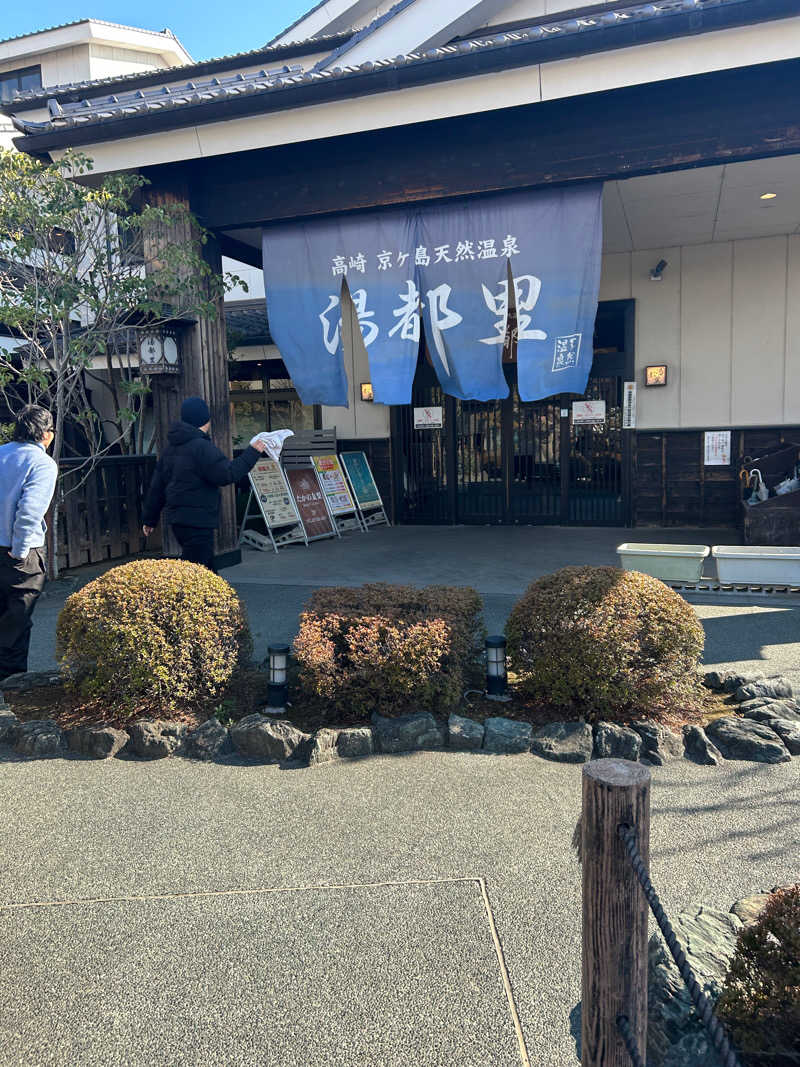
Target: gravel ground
(356, 976)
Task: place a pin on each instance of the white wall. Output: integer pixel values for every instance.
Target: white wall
(726, 320)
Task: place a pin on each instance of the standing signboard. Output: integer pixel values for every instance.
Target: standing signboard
(365, 491)
(278, 510)
(310, 500)
(337, 493)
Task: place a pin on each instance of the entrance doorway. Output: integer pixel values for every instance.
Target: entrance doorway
(507, 461)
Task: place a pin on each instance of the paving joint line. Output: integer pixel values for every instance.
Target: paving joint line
(207, 894)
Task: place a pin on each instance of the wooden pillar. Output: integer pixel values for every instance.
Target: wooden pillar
(614, 910)
(204, 372)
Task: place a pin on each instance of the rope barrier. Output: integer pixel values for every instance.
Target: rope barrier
(702, 1004)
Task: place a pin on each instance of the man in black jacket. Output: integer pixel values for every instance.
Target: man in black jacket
(187, 480)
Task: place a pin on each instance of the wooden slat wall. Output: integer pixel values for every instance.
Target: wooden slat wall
(101, 519)
(672, 487)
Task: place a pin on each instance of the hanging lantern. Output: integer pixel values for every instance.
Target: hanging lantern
(159, 351)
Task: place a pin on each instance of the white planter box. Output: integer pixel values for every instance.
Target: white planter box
(754, 565)
(671, 563)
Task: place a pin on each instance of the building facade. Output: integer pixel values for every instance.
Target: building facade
(684, 110)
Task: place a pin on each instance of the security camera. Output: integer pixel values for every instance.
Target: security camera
(658, 270)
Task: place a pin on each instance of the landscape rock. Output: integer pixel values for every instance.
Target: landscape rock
(699, 748)
(744, 739)
(407, 733)
(38, 739)
(676, 1037)
(564, 742)
(749, 908)
(464, 733)
(355, 741)
(8, 723)
(323, 747)
(659, 743)
(751, 705)
(782, 709)
(260, 737)
(770, 687)
(21, 683)
(506, 735)
(716, 680)
(616, 742)
(209, 741)
(789, 732)
(97, 742)
(157, 738)
(735, 679)
(348, 743)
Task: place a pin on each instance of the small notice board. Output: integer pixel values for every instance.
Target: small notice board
(717, 448)
(338, 497)
(311, 505)
(588, 412)
(428, 419)
(365, 491)
(274, 501)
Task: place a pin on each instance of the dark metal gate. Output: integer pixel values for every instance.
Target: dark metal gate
(506, 461)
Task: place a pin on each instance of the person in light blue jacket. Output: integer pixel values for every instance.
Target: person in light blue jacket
(27, 483)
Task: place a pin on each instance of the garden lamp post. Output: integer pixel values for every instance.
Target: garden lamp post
(496, 676)
(278, 690)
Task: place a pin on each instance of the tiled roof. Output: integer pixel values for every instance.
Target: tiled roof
(246, 320)
(79, 22)
(203, 92)
(38, 97)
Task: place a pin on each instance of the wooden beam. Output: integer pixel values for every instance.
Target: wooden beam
(723, 117)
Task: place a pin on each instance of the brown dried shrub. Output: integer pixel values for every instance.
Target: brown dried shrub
(605, 643)
(388, 648)
(760, 1001)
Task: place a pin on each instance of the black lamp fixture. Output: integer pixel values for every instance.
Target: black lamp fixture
(496, 674)
(278, 689)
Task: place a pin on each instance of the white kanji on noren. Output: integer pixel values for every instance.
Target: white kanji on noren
(442, 318)
(526, 289)
(441, 254)
(510, 247)
(339, 265)
(358, 262)
(486, 249)
(407, 314)
(369, 329)
(421, 257)
(384, 260)
(401, 258)
(331, 330)
(465, 250)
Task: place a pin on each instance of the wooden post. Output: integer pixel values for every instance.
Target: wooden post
(204, 372)
(614, 910)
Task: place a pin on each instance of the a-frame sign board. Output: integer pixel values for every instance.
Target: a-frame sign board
(364, 489)
(338, 498)
(277, 507)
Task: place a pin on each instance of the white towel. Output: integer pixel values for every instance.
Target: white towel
(274, 441)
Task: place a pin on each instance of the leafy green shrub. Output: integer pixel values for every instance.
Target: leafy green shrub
(605, 643)
(154, 636)
(388, 648)
(760, 1001)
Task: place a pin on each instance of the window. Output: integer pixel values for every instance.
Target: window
(259, 403)
(12, 81)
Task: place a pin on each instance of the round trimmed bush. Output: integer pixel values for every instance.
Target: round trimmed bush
(604, 642)
(155, 636)
(760, 1000)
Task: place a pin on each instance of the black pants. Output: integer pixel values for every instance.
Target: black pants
(21, 582)
(197, 544)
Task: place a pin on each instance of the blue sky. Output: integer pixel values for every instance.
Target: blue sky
(206, 29)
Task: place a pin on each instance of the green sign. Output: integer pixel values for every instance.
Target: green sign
(360, 475)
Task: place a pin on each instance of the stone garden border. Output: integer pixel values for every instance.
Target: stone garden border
(766, 729)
